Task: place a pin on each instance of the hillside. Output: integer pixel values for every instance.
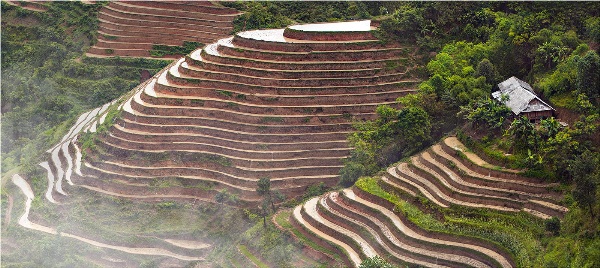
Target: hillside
(159, 29)
(299, 134)
(375, 217)
(232, 113)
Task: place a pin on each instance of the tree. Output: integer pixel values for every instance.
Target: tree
(552, 225)
(549, 127)
(221, 196)
(269, 197)
(486, 69)
(263, 186)
(523, 133)
(584, 170)
(592, 26)
(558, 150)
(264, 189)
(588, 74)
(378, 143)
(486, 112)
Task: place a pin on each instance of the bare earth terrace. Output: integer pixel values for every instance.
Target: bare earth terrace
(233, 112)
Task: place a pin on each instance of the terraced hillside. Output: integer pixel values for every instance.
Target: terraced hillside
(29, 5)
(131, 28)
(259, 104)
(362, 222)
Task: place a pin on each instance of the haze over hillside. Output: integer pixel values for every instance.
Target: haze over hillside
(299, 134)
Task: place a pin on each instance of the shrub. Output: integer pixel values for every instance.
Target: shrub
(552, 225)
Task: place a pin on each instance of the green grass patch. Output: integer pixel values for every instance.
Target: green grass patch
(564, 100)
(271, 119)
(519, 233)
(251, 257)
(159, 50)
(225, 93)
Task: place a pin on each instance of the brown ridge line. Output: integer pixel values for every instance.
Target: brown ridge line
(211, 49)
(387, 249)
(398, 222)
(235, 149)
(167, 18)
(351, 254)
(214, 137)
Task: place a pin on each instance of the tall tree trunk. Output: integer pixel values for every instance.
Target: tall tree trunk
(272, 203)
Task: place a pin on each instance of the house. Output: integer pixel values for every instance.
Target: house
(517, 95)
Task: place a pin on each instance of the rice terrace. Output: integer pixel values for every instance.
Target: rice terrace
(300, 134)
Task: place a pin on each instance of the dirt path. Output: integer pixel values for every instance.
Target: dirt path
(311, 209)
(397, 242)
(24, 221)
(438, 150)
(388, 181)
(111, 56)
(364, 245)
(334, 197)
(453, 142)
(189, 244)
(50, 177)
(59, 171)
(354, 258)
(91, 188)
(433, 189)
(78, 156)
(400, 225)
(145, 133)
(455, 177)
(436, 176)
(27, 5)
(69, 160)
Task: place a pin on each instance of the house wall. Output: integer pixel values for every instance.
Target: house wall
(537, 116)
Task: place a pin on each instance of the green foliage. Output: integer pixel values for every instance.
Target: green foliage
(592, 26)
(586, 175)
(516, 233)
(588, 74)
(571, 252)
(454, 81)
(486, 69)
(563, 78)
(223, 197)
(523, 134)
(163, 50)
(375, 262)
(486, 112)
(47, 82)
(225, 93)
(432, 24)
(263, 186)
(244, 250)
(394, 135)
(552, 47)
(267, 119)
(261, 15)
(549, 127)
(552, 225)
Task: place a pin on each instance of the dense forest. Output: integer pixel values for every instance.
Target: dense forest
(465, 48)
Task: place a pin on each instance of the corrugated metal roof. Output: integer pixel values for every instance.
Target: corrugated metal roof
(520, 96)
